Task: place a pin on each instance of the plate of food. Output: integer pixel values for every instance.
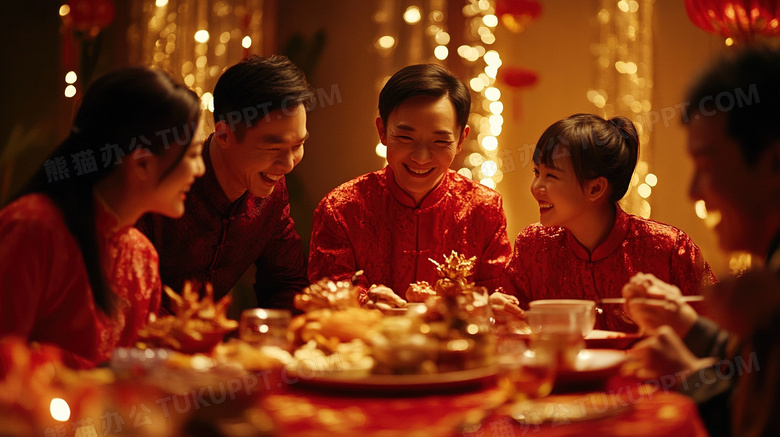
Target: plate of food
(592, 366)
(400, 385)
(598, 339)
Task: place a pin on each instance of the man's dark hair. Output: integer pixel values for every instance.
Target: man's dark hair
(425, 80)
(743, 86)
(247, 91)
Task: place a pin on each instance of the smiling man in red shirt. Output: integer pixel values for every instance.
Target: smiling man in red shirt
(390, 222)
(239, 212)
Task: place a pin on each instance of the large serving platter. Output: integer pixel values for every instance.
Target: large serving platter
(408, 385)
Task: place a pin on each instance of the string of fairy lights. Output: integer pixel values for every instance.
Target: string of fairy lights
(487, 120)
(624, 55)
(424, 35)
(193, 39)
(70, 76)
(624, 84)
(166, 34)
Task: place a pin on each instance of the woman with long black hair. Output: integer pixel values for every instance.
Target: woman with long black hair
(74, 271)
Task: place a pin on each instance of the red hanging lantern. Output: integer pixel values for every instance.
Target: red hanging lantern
(89, 16)
(516, 14)
(741, 20)
(517, 78)
(82, 23)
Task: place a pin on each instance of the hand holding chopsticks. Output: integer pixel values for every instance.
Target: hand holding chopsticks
(651, 302)
(622, 300)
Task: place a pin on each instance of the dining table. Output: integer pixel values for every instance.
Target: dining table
(284, 401)
(616, 405)
(148, 392)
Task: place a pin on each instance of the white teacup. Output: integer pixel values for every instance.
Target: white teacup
(587, 309)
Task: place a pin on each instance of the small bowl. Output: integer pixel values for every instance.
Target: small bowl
(587, 309)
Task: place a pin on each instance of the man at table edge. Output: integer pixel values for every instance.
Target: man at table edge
(734, 140)
(239, 212)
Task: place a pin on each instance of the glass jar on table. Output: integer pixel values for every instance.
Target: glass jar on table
(526, 370)
(266, 327)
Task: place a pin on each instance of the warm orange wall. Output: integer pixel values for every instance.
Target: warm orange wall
(343, 136)
(681, 51)
(557, 46)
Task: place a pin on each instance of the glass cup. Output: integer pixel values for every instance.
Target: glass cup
(266, 327)
(526, 370)
(525, 373)
(588, 321)
(558, 331)
(476, 305)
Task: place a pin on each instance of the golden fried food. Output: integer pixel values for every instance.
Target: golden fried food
(453, 274)
(350, 324)
(441, 338)
(196, 325)
(329, 328)
(453, 279)
(353, 357)
(326, 293)
(420, 292)
(251, 357)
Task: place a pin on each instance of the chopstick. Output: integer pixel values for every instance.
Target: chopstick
(623, 299)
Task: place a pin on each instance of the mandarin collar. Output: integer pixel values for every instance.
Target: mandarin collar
(610, 244)
(405, 199)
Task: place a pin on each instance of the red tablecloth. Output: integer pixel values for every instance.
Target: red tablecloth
(624, 409)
